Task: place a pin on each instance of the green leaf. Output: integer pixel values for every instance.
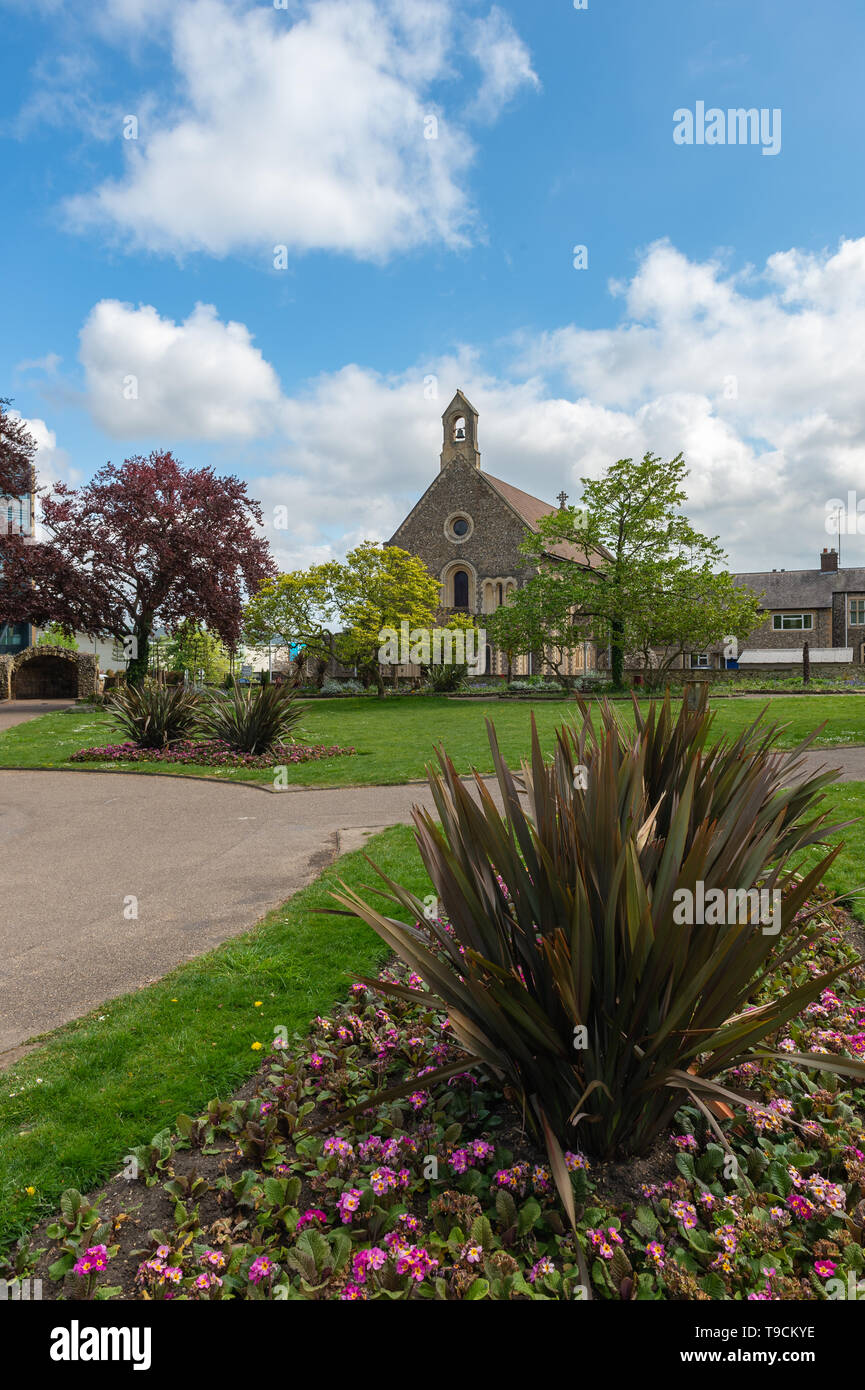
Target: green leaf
(478, 1289)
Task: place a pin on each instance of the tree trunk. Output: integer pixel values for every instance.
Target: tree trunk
(136, 667)
(806, 664)
(617, 656)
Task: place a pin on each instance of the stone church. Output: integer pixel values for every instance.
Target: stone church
(467, 528)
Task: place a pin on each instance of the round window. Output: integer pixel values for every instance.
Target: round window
(458, 527)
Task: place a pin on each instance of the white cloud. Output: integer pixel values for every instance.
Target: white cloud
(758, 377)
(504, 60)
(47, 364)
(200, 379)
(52, 463)
(305, 129)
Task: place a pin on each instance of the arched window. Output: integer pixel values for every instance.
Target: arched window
(459, 433)
(461, 589)
(499, 594)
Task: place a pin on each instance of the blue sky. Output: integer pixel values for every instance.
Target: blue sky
(722, 311)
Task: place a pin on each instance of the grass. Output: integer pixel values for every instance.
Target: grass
(395, 738)
(72, 1109)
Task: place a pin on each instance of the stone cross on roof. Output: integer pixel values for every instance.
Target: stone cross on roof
(562, 498)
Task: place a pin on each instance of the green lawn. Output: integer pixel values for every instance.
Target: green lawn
(71, 1110)
(395, 738)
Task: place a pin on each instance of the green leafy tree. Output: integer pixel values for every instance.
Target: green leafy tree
(646, 578)
(191, 648)
(699, 609)
(292, 608)
(541, 618)
(378, 587)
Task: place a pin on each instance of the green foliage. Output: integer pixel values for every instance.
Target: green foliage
(291, 608)
(378, 587)
(561, 918)
(654, 582)
(152, 715)
(542, 617)
(347, 687)
(252, 719)
(192, 649)
(444, 680)
(54, 636)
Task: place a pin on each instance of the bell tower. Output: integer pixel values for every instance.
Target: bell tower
(460, 439)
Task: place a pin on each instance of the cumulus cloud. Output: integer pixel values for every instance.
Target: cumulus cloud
(757, 376)
(308, 129)
(52, 462)
(199, 379)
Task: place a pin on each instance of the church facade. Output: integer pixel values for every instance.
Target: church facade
(468, 527)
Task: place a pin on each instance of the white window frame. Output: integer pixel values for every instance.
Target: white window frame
(806, 622)
(700, 661)
(857, 622)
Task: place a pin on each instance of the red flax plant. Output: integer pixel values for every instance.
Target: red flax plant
(560, 912)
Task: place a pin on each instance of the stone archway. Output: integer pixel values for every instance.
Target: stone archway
(49, 673)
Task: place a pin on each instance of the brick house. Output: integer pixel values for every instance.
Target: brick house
(824, 607)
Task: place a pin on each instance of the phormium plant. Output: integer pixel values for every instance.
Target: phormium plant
(155, 715)
(254, 719)
(564, 969)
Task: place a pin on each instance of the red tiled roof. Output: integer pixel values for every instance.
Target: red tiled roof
(531, 509)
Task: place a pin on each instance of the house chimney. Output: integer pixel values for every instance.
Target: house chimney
(828, 560)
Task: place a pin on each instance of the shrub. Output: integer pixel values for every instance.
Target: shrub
(334, 687)
(594, 684)
(533, 685)
(444, 680)
(561, 920)
(252, 719)
(154, 715)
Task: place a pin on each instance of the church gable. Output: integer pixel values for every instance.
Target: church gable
(463, 523)
(468, 526)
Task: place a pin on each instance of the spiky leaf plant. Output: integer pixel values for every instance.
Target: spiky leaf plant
(154, 716)
(566, 972)
(252, 719)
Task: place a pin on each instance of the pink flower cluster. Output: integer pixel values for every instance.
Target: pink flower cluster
(479, 1151)
(208, 753)
(604, 1240)
(93, 1260)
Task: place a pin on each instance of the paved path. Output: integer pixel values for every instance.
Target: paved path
(19, 711)
(203, 860)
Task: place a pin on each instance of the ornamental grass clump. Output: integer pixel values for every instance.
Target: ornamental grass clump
(252, 720)
(564, 963)
(155, 716)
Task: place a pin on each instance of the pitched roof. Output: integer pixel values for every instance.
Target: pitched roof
(532, 509)
(802, 588)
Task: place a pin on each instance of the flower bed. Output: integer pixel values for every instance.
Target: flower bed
(443, 1195)
(209, 753)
